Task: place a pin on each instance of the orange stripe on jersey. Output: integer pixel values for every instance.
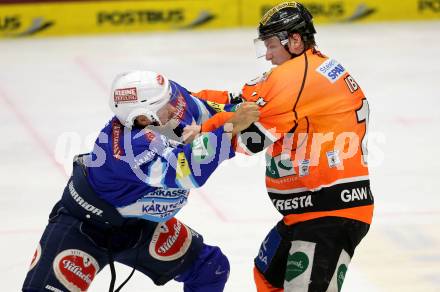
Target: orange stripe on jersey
(262, 284)
(213, 95)
(216, 121)
(364, 214)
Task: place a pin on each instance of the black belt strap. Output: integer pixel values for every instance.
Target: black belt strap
(82, 201)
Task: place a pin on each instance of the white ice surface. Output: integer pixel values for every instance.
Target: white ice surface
(53, 100)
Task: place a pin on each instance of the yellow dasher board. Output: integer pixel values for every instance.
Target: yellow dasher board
(96, 17)
(335, 11)
(88, 17)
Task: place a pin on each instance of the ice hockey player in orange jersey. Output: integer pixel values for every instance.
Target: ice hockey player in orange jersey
(313, 126)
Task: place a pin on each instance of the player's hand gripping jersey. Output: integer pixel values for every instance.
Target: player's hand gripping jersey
(145, 174)
(314, 127)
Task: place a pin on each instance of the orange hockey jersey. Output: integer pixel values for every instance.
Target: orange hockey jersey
(313, 125)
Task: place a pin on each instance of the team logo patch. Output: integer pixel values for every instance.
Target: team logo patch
(218, 107)
(333, 158)
(182, 167)
(170, 240)
(125, 95)
(35, 257)
(279, 166)
(304, 167)
(332, 70)
(201, 148)
(149, 135)
(116, 139)
(342, 270)
(75, 269)
(180, 105)
(297, 264)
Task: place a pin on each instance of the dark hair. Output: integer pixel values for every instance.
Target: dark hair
(309, 41)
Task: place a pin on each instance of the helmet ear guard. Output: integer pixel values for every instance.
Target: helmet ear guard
(130, 119)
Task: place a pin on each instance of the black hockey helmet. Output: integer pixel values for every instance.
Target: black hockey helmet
(286, 18)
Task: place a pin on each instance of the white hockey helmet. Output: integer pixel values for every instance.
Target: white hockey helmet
(137, 93)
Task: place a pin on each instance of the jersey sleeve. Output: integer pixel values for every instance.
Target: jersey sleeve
(213, 95)
(258, 136)
(185, 166)
(220, 113)
(216, 121)
(276, 115)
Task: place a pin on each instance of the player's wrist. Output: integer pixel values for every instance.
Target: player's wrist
(228, 127)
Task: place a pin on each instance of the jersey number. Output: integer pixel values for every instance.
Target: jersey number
(362, 115)
(351, 84)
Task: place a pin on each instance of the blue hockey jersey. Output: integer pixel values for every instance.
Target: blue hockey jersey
(144, 173)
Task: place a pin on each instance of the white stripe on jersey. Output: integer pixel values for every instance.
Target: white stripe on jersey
(156, 173)
(336, 182)
(204, 114)
(266, 132)
(263, 131)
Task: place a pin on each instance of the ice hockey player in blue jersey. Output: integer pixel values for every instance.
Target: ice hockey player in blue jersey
(121, 200)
